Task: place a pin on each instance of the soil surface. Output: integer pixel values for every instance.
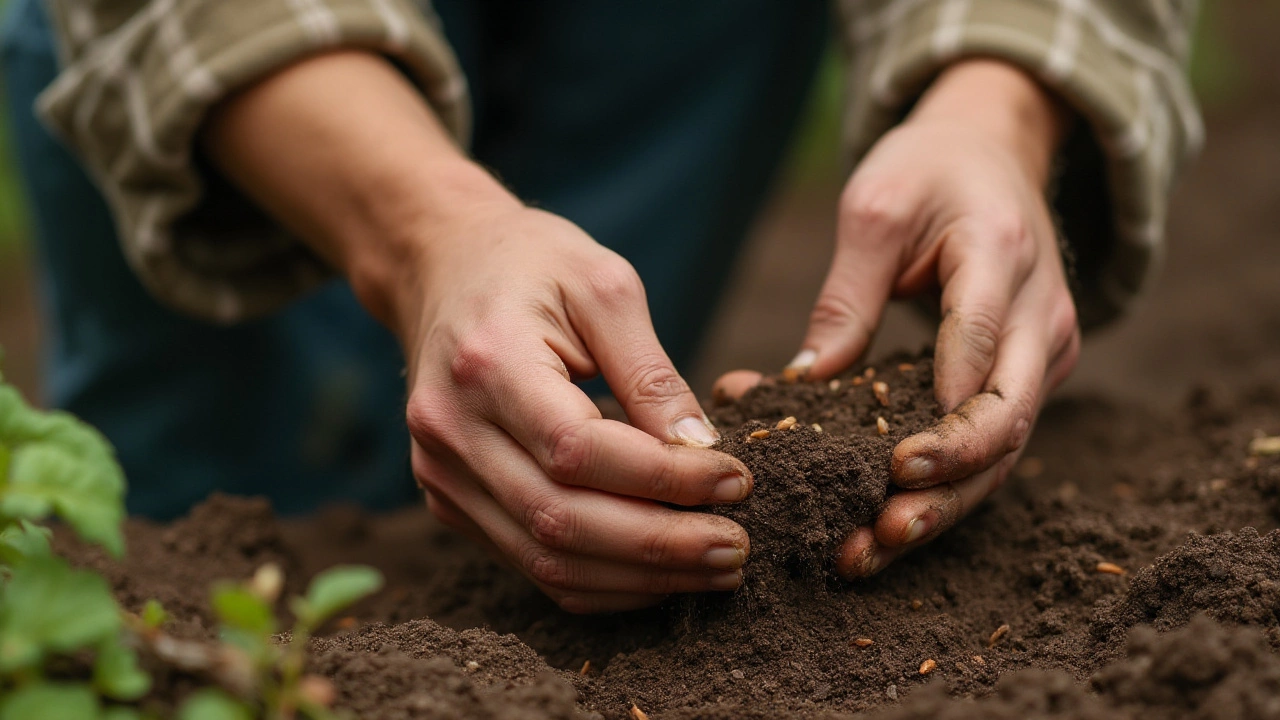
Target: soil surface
(1009, 615)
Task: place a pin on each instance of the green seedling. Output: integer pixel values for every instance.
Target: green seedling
(54, 466)
(260, 670)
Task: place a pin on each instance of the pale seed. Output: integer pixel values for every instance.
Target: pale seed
(637, 713)
(786, 423)
(864, 642)
(792, 375)
(996, 636)
(916, 604)
(1265, 446)
(869, 373)
(857, 381)
(472, 666)
(760, 434)
(834, 385)
(928, 666)
(1110, 568)
(586, 668)
(906, 367)
(882, 392)
(738, 674)
(882, 426)
(816, 427)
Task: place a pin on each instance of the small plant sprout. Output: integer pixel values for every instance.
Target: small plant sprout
(269, 671)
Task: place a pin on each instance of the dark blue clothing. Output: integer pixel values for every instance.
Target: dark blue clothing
(656, 126)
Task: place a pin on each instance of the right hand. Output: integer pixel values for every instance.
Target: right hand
(514, 305)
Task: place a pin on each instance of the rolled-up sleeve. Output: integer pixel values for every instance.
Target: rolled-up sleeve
(137, 80)
(1119, 63)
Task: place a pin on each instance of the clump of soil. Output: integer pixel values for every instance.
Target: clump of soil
(820, 462)
(1014, 588)
(1233, 577)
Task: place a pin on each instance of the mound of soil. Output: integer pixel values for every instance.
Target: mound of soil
(1009, 608)
(822, 467)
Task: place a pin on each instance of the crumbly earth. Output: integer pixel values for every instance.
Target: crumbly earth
(1174, 499)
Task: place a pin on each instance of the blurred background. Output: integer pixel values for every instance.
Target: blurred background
(1213, 317)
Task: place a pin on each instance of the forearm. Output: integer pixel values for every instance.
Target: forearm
(1005, 101)
(342, 150)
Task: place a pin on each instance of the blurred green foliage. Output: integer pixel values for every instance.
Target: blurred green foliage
(1217, 71)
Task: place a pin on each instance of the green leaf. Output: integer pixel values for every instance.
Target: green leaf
(239, 608)
(23, 541)
(58, 464)
(50, 701)
(337, 588)
(154, 615)
(117, 712)
(211, 704)
(47, 607)
(116, 673)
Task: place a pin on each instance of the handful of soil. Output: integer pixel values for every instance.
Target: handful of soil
(820, 454)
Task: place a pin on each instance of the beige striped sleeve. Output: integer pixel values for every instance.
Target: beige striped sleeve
(137, 78)
(1119, 63)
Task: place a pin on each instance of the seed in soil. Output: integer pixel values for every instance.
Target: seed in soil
(906, 367)
(786, 423)
(760, 434)
(792, 375)
(858, 381)
(472, 666)
(1110, 569)
(834, 385)
(869, 373)
(882, 426)
(637, 713)
(997, 635)
(916, 604)
(1265, 446)
(928, 666)
(881, 390)
(864, 642)
(738, 674)
(816, 427)
(586, 668)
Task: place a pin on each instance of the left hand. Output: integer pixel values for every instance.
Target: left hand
(953, 198)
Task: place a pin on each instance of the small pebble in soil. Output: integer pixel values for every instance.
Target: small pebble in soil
(892, 692)
(737, 674)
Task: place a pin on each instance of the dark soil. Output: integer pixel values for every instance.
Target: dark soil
(1171, 498)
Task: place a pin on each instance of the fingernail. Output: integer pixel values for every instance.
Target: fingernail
(917, 469)
(694, 431)
(870, 564)
(919, 527)
(726, 581)
(724, 558)
(803, 361)
(730, 489)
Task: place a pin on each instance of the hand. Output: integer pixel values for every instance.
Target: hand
(497, 307)
(515, 455)
(952, 198)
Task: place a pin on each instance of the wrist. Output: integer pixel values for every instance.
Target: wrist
(1000, 100)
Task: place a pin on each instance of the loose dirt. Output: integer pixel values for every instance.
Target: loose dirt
(1175, 501)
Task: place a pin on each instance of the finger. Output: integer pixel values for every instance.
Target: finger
(874, 227)
(733, 385)
(610, 313)
(987, 426)
(977, 291)
(589, 522)
(861, 555)
(917, 516)
(557, 423)
(563, 569)
(589, 603)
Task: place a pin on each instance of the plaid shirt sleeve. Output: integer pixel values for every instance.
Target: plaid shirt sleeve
(1119, 63)
(137, 78)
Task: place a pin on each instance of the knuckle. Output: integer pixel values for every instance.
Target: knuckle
(1065, 322)
(833, 310)
(663, 482)
(571, 451)
(553, 524)
(548, 568)
(658, 547)
(979, 333)
(655, 381)
(879, 206)
(475, 360)
(428, 419)
(614, 281)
